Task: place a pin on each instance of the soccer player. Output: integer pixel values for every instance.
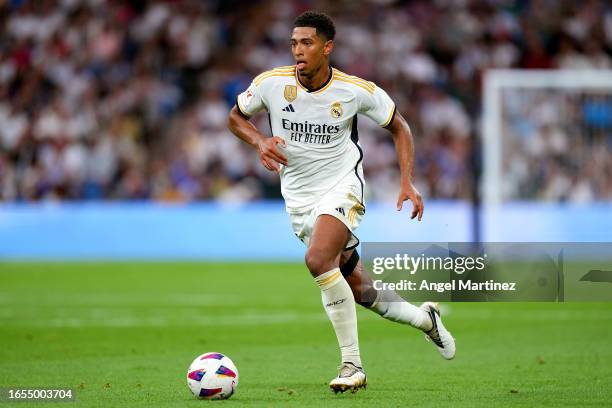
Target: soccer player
(313, 111)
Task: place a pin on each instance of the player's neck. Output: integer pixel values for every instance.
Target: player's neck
(316, 80)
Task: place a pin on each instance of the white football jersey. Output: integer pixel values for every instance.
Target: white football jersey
(319, 127)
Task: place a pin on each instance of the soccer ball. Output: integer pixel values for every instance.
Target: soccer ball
(212, 376)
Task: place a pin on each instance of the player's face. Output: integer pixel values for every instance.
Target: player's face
(309, 50)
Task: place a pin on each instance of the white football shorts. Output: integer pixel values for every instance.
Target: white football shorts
(342, 202)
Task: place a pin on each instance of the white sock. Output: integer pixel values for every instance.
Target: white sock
(392, 306)
(340, 308)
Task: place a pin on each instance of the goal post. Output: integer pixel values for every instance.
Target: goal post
(508, 94)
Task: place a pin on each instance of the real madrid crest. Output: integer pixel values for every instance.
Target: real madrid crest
(336, 110)
(290, 93)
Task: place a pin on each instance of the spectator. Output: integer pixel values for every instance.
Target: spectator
(128, 100)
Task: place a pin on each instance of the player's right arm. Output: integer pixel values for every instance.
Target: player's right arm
(248, 103)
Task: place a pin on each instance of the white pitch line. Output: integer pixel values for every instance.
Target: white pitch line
(194, 320)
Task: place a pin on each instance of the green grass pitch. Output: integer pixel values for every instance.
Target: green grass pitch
(123, 334)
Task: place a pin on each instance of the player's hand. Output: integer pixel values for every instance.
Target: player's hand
(409, 192)
(269, 155)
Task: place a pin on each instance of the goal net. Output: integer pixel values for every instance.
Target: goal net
(547, 137)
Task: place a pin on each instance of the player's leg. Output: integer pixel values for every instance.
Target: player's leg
(391, 306)
(386, 303)
(328, 239)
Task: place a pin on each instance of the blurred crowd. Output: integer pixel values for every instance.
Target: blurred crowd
(557, 144)
(104, 99)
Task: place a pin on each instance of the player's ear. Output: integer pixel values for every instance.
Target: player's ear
(328, 47)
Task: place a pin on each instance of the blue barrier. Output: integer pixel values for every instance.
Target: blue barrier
(261, 231)
(530, 222)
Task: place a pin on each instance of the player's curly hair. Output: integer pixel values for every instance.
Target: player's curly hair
(319, 21)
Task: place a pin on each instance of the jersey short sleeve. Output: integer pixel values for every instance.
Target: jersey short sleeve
(250, 101)
(378, 106)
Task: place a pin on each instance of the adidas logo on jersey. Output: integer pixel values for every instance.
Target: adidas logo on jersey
(288, 108)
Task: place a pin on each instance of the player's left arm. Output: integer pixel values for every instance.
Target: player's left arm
(404, 146)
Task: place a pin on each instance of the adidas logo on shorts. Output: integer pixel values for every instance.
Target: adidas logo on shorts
(341, 211)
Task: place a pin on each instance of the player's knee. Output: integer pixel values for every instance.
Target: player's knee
(318, 261)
